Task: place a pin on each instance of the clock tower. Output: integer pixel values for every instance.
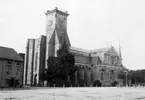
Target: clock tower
(56, 31)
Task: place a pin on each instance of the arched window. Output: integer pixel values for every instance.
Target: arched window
(36, 61)
(102, 76)
(112, 72)
(17, 72)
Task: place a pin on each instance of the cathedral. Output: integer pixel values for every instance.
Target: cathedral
(93, 65)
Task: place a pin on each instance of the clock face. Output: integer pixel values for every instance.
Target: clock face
(50, 22)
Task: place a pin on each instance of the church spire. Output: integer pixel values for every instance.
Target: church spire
(120, 56)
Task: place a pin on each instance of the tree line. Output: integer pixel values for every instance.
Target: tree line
(135, 76)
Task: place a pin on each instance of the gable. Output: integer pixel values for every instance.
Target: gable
(112, 51)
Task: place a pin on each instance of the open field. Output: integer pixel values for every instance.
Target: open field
(88, 93)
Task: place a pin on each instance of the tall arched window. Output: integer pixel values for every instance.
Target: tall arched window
(102, 72)
(36, 61)
(112, 72)
(102, 76)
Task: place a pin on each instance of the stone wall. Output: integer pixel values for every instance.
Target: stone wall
(35, 60)
(82, 59)
(42, 57)
(83, 74)
(28, 67)
(1, 72)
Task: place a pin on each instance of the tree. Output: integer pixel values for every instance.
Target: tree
(97, 83)
(67, 62)
(137, 76)
(60, 68)
(114, 83)
(121, 75)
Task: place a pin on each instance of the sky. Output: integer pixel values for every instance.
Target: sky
(92, 24)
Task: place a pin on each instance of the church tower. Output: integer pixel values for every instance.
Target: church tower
(56, 32)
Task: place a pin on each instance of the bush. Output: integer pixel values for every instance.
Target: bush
(97, 83)
(114, 83)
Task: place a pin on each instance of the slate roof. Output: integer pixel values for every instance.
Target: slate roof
(101, 50)
(9, 53)
(79, 49)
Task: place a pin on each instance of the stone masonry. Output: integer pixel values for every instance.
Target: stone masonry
(100, 64)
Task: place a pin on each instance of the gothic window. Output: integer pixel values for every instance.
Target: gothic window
(117, 59)
(112, 60)
(102, 76)
(61, 38)
(36, 61)
(108, 59)
(98, 61)
(112, 72)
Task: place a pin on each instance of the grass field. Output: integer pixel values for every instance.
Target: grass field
(86, 93)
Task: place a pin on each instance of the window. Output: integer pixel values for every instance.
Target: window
(105, 57)
(17, 71)
(18, 63)
(8, 71)
(112, 60)
(9, 62)
(36, 60)
(61, 38)
(112, 72)
(101, 75)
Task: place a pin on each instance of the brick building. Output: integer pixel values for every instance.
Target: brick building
(11, 67)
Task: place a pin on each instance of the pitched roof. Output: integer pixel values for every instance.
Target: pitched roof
(79, 49)
(101, 50)
(9, 53)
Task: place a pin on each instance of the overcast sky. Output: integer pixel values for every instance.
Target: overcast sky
(92, 24)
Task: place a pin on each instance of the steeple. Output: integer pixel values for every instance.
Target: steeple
(120, 56)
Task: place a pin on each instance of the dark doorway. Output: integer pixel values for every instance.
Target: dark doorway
(12, 81)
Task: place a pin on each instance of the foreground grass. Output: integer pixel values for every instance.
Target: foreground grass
(84, 93)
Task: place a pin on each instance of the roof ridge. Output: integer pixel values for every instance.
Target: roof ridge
(5, 47)
(9, 53)
(80, 49)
